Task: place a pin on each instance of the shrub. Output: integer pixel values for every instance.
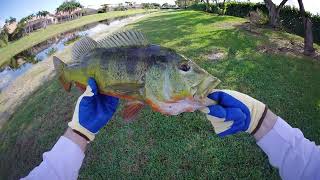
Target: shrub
(198, 7)
(148, 6)
(243, 9)
(52, 51)
(258, 17)
(3, 39)
(120, 8)
(290, 18)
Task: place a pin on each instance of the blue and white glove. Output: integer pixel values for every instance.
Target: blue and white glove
(234, 112)
(93, 111)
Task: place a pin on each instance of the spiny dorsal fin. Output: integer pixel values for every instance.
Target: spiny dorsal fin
(123, 39)
(83, 46)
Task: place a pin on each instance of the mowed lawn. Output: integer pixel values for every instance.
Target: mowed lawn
(183, 146)
(52, 30)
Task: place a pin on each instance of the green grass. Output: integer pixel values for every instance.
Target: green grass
(183, 146)
(43, 34)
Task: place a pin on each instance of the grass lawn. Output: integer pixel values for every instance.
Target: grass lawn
(43, 34)
(183, 146)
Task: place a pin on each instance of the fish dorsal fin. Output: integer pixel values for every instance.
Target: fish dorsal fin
(131, 110)
(83, 46)
(123, 39)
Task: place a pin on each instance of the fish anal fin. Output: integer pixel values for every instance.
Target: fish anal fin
(81, 87)
(131, 110)
(66, 85)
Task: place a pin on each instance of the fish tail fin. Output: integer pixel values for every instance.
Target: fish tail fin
(59, 66)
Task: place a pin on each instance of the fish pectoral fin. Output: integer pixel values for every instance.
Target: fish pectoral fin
(131, 110)
(128, 89)
(81, 87)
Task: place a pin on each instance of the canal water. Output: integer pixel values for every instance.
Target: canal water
(22, 62)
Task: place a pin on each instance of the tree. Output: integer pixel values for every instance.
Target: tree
(207, 6)
(308, 36)
(69, 6)
(3, 38)
(165, 5)
(274, 12)
(129, 4)
(44, 15)
(10, 20)
(105, 7)
(218, 9)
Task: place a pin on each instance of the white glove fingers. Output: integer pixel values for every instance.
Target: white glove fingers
(221, 127)
(215, 119)
(88, 92)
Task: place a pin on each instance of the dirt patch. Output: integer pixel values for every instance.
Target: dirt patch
(251, 28)
(217, 55)
(278, 44)
(285, 46)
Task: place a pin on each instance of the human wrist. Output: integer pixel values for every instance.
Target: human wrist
(266, 125)
(76, 126)
(76, 138)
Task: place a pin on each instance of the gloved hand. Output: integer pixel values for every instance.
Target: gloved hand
(234, 112)
(93, 111)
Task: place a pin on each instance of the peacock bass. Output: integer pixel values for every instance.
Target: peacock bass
(127, 66)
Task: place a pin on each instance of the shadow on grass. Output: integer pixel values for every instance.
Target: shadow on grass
(193, 33)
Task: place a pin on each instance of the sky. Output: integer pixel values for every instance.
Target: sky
(22, 8)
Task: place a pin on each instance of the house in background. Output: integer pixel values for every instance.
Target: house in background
(62, 16)
(10, 27)
(38, 22)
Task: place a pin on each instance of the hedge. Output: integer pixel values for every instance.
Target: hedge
(290, 18)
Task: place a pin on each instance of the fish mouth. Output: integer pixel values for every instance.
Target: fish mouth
(205, 87)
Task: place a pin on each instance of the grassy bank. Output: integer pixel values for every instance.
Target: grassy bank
(43, 34)
(182, 146)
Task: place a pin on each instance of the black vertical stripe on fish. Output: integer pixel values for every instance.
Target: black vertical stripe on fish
(131, 64)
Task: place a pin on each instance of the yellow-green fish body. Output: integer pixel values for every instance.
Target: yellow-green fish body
(126, 66)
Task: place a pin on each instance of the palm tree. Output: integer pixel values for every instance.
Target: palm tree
(10, 20)
(69, 6)
(29, 18)
(43, 14)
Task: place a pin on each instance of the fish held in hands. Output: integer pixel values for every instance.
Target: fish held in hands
(127, 66)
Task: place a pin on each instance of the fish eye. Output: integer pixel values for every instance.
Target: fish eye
(184, 67)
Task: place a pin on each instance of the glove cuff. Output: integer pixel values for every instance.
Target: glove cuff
(257, 111)
(78, 128)
(80, 134)
(260, 121)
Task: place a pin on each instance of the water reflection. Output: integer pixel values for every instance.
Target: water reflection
(20, 63)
